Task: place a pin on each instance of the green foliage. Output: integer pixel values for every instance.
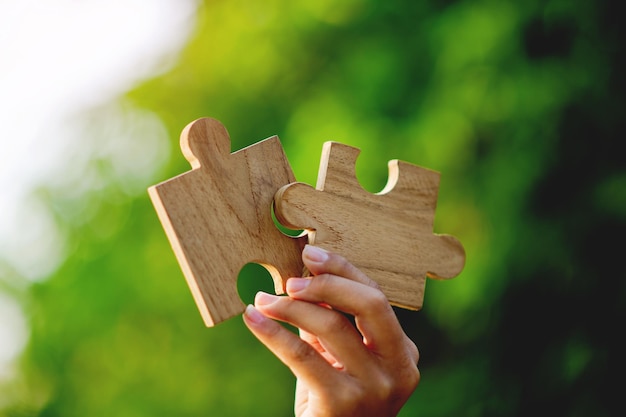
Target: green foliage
(518, 105)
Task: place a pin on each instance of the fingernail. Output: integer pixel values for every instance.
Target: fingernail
(315, 254)
(253, 315)
(264, 299)
(297, 284)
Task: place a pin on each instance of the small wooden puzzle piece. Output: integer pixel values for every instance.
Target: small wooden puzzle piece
(217, 216)
(388, 235)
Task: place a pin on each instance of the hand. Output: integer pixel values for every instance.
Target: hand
(341, 370)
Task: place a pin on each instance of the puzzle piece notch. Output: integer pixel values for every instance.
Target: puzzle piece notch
(337, 175)
(217, 216)
(388, 235)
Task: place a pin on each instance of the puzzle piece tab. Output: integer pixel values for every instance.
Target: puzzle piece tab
(388, 235)
(217, 216)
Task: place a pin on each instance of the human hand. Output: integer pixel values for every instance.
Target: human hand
(367, 371)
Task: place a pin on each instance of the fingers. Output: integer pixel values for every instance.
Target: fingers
(319, 261)
(299, 356)
(335, 338)
(314, 342)
(370, 370)
(344, 287)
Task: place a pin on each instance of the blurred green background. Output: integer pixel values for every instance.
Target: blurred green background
(519, 105)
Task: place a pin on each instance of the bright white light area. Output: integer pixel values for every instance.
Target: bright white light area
(56, 58)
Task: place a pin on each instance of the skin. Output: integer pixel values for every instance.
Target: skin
(342, 370)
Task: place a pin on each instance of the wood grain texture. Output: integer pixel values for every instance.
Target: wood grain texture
(388, 235)
(217, 216)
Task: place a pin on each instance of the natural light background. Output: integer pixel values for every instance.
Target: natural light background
(519, 106)
(58, 58)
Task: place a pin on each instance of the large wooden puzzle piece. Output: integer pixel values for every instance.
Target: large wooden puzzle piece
(388, 235)
(217, 216)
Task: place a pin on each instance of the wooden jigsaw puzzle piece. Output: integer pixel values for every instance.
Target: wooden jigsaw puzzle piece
(217, 216)
(388, 235)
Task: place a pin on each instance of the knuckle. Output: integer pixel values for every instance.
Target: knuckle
(417, 376)
(302, 352)
(378, 301)
(396, 389)
(319, 288)
(321, 283)
(412, 350)
(408, 377)
(336, 322)
(411, 377)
